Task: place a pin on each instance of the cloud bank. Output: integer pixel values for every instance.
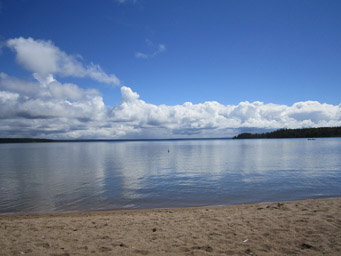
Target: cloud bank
(56, 110)
(47, 108)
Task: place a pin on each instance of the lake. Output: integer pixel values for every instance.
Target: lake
(86, 176)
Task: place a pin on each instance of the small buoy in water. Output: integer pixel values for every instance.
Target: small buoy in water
(168, 150)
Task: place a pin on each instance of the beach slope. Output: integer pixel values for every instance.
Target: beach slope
(308, 227)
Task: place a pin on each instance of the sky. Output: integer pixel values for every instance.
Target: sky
(150, 69)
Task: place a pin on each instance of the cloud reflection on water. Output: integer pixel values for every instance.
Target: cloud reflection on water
(107, 175)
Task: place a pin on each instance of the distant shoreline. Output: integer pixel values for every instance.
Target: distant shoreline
(33, 140)
(321, 132)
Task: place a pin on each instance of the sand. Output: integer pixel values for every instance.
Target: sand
(309, 227)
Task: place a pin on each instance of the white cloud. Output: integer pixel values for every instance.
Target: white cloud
(214, 119)
(43, 101)
(12, 84)
(96, 73)
(156, 50)
(44, 58)
(55, 110)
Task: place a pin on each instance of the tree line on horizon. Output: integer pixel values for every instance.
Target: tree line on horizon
(23, 140)
(321, 132)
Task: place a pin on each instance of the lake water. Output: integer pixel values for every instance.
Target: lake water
(84, 176)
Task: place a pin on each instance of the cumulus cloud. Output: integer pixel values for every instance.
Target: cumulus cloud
(214, 119)
(44, 58)
(156, 50)
(54, 110)
(34, 100)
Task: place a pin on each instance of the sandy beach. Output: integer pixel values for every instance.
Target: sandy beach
(308, 227)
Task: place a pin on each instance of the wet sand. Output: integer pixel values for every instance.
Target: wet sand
(309, 227)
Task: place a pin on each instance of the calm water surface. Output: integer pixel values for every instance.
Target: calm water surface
(83, 176)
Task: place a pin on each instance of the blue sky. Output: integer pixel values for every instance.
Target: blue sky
(257, 64)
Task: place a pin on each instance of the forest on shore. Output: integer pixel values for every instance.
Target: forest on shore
(321, 132)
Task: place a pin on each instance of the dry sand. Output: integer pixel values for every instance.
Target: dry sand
(310, 227)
